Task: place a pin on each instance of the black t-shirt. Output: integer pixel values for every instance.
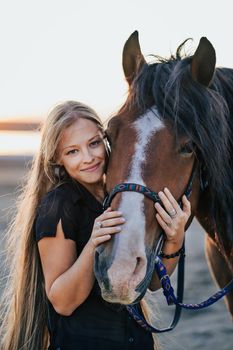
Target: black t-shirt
(95, 324)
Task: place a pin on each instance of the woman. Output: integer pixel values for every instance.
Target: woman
(53, 240)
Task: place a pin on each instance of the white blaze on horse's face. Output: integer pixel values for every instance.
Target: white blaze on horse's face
(130, 262)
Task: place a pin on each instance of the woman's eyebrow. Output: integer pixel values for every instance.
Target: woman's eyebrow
(97, 135)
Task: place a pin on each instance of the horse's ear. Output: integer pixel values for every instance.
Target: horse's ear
(203, 62)
(132, 58)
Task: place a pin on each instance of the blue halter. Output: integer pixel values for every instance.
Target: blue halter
(160, 269)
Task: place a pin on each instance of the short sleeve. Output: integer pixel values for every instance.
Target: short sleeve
(55, 206)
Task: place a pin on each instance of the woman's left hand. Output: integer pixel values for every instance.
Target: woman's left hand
(173, 219)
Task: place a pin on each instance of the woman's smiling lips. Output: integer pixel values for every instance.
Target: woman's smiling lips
(92, 168)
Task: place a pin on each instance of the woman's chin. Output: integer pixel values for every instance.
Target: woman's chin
(89, 180)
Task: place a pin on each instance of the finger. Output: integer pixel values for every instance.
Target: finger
(98, 240)
(172, 199)
(108, 209)
(166, 202)
(164, 225)
(186, 205)
(163, 213)
(109, 214)
(113, 222)
(107, 231)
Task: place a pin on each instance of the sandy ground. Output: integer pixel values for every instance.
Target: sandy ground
(206, 329)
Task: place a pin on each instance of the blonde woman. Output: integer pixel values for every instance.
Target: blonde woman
(52, 299)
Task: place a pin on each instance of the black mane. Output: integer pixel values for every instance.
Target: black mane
(203, 114)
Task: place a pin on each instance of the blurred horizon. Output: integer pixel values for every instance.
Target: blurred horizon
(20, 123)
(19, 142)
(19, 136)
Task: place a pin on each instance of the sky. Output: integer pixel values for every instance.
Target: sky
(54, 50)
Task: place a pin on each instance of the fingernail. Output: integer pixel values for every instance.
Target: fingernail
(156, 204)
(119, 212)
(166, 189)
(118, 228)
(122, 220)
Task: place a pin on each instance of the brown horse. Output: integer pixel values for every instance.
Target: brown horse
(177, 118)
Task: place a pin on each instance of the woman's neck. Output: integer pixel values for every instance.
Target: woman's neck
(97, 189)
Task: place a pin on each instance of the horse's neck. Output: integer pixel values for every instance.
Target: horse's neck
(223, 84)
(205, 216)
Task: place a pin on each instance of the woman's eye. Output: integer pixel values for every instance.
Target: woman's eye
(187, 149)
(72, 151)
(95, 143)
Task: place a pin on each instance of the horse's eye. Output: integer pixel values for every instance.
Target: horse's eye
(187, 149)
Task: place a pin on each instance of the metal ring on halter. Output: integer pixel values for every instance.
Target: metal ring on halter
(172, 213)
(98, 224)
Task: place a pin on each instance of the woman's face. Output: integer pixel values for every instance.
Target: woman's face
(82, 151)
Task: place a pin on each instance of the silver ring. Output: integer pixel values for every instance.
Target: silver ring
(172, 213)
(98, 224)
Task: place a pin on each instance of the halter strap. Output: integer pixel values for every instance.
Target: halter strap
(133, 187)
(159, 267)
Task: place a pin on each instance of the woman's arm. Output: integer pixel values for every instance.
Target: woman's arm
(68, 279)
(174, 229)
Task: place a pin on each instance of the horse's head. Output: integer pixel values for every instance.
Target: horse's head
(155, 141)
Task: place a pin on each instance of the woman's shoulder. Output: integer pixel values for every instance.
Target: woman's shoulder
(66, 192)
(60, 201)
(57, 204)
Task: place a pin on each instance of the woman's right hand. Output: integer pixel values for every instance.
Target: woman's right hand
(105, 225)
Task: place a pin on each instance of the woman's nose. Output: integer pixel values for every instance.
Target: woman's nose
(87, 156)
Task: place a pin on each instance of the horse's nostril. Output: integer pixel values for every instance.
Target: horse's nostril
(139, 264)
(100, 269)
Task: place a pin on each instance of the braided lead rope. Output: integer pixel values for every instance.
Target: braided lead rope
(143, 323)
(168, 291)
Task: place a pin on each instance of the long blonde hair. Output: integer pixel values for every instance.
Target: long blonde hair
(23, 324)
